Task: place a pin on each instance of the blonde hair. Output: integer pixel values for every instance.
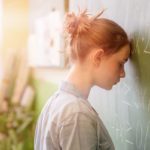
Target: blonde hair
(85, 33)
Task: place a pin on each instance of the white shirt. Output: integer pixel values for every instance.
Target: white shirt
(68, 122)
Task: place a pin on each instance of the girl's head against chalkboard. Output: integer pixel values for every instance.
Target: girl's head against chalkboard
(86, 33)
(93, 39)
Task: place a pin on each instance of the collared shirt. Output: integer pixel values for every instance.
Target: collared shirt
(69, 122)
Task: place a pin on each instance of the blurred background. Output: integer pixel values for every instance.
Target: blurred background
(33, 63)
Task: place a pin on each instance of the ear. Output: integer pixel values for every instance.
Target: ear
(97, 56)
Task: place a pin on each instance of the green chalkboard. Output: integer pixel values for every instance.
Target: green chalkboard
(125, 109)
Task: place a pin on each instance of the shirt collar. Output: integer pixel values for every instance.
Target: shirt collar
(70, 88)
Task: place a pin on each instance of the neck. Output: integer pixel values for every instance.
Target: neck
(80, 77)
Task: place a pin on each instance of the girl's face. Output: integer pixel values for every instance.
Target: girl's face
(111, 68)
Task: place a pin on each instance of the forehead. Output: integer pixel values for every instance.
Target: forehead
(123, 53)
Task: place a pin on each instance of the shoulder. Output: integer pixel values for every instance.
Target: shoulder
(68, 106)
(64, 107)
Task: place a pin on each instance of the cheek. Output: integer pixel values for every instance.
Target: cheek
(110, 71)
(114, 71)
(113, 68)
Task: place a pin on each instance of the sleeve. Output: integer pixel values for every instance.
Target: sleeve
(78, 132)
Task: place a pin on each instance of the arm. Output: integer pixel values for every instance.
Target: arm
(78, 132)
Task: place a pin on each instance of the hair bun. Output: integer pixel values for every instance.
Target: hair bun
(75, 25)
(70, 23)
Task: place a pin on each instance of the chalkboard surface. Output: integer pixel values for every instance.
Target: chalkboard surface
(125, 109)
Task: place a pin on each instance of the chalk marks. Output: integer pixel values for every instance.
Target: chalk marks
(139, 133)
(126, 88)
(129, 142)
(147, 47)
(147, 137)
(147, 52)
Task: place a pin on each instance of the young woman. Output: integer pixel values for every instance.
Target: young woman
(98, 50)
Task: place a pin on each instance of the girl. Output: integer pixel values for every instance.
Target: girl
(98, 50)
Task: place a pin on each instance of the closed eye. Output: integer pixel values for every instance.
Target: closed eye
(126, 60)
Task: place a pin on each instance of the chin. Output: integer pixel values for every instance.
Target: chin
(106, 87)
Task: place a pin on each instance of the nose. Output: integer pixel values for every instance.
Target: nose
(122, 73)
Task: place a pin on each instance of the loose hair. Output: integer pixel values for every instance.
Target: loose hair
(85, 33)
